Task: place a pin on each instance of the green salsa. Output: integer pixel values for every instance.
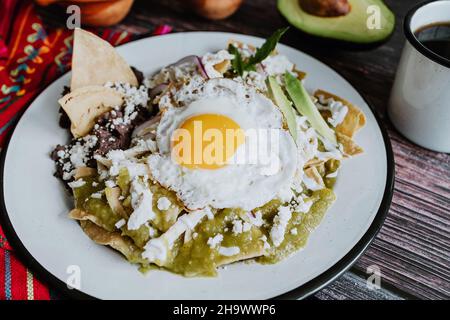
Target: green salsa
(197, 257)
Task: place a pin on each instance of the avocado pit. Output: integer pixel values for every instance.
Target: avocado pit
(326, 8)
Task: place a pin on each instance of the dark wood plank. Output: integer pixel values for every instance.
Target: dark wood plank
(353, 287)
(413, 248)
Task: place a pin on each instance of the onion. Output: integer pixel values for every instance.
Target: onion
(157, 90)
(195, 60)
(260, 69)
(144, 128)
(201, 68)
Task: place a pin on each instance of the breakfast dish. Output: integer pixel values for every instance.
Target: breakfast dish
(54, 248)
(146, 183)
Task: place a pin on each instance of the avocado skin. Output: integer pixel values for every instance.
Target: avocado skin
(338, 38)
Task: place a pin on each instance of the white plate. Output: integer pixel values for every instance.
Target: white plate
(35, 204)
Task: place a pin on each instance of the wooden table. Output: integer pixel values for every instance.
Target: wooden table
(412, 249)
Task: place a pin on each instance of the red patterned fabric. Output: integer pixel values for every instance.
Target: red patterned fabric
(31, 56)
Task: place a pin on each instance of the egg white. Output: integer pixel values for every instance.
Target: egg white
(243, 185)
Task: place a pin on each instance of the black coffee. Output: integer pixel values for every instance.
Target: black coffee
(436, 37)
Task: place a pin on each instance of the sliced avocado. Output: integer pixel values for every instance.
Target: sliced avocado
(284, 104)
(306, 107)
(359, 25)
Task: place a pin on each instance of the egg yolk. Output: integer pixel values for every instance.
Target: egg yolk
(206, 141)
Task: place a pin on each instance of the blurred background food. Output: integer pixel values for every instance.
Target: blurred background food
(344, 21)
(104, 13)
(353, 21)
(98, 13)
(214, 9)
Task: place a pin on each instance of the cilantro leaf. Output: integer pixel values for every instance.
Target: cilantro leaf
(240, 66)
(237, 64)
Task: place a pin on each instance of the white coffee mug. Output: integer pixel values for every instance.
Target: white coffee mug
(419, 106)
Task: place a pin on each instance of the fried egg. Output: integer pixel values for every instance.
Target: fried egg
(222, 144)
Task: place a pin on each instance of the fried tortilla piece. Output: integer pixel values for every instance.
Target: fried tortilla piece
(85, 105)
(80, 215)
(354, 120)
(223, 66)
(350, 147)
(313, 173)
(84, 172)
(313, 162)
(242, 256)
(300, 74)
(113, 239)
(112, 196)
(96, 62)
(240, 45)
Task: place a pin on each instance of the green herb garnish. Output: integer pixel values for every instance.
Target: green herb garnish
(306, 107)
(239, 66)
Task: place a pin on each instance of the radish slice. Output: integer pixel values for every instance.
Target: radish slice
(195, 60)
(157, 90)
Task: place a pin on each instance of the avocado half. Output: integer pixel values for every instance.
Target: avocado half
(352, 27)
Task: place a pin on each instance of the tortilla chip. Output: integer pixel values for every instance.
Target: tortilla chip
(350, 147)
(80, 215)
(240, 45)
(113, 239)
(84, 172)
(96, 62)
(84, 105)
(354, 120)
(314, 174)
(300, 74)
(112, 196)
(313, 162)
(241, 256)
(223, 66)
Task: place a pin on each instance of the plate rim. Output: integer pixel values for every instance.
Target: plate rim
(301, 292)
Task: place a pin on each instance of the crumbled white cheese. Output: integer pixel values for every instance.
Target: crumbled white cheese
(239, 226)
(280, 223)
(265, 242)
(229, 251)
(311, 184)
(151, 231)
(277, 64)
(133, 97)
(119, 224)
(294, 231)
(255, 218)
(61, 154)
(156, 250)
(77, 183)
(163, 203)
(245, 50)
(256, 80)
(301, 204)
(119, 160)
(141, 201)
(96, 195)
(332, 174)
(338, 110)
(77, 154)
(215, 241)
(209, 60)
(110, 184)
(209, 213)
(286, 194)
